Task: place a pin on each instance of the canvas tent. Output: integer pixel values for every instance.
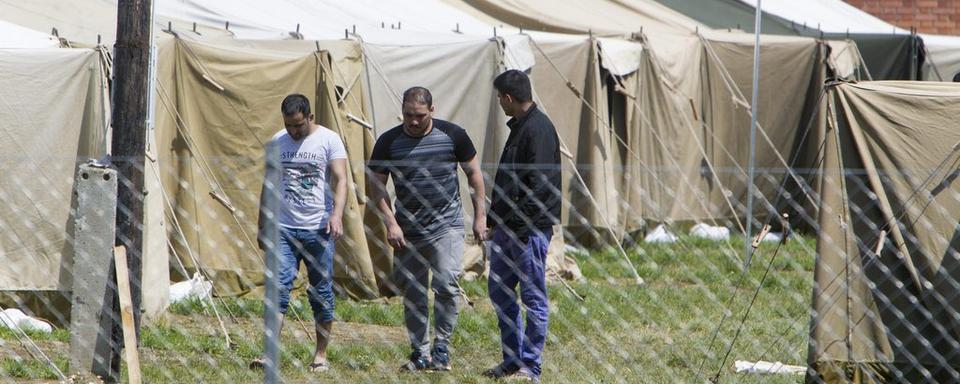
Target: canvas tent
(203, 154)
(888, 174)
(382, 64)
(699, 76)
(941, 61)
(14, 36)
(84, 23)
(888, 55)
(45, 136)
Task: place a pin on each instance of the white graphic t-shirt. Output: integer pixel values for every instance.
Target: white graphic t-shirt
(306, 197)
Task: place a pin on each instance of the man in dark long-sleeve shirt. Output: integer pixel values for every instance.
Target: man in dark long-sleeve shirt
(525, 206)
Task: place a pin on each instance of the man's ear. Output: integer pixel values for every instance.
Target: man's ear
(310, 118)
(432, 107)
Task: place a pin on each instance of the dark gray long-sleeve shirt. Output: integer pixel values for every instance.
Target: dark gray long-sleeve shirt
(526, 193)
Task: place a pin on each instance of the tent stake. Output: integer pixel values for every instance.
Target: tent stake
(226, 25)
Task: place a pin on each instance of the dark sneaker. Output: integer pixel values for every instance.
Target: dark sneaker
(417, 363)
(500, 371)
(440, 359)
(525, 375)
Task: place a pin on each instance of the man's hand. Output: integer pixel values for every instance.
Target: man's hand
(395, 236)
(335, 227)
(480, 228)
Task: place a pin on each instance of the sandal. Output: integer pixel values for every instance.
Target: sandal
(320, 367)
(258, 363)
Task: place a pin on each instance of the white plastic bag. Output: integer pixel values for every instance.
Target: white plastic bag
(660, 235)
(197, 287)
(768, 367)
(773, 237)
(15, 318)
(709, 232)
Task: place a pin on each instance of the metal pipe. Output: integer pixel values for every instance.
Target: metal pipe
(751, 166)
(269, 235)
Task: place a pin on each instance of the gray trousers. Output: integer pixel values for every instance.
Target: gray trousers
(412, 269)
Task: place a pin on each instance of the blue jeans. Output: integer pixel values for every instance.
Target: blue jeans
(516, 262)
(315, 249)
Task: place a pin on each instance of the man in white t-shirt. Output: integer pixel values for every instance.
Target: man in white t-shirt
(311, 213)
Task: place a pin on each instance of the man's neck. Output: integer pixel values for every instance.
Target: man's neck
(523, 110)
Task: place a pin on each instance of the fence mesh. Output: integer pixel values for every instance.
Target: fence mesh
(823, 288)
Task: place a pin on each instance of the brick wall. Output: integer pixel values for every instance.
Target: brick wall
(928, 16)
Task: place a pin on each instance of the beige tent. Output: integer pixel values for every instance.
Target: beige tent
(885, 297)
(45, 136)
(676, 138)
(218, 104)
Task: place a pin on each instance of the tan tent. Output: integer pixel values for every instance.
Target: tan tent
(45, 136)
(218, 104)
(680, 124)
(885, 297)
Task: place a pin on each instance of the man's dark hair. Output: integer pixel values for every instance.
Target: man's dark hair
(956, 78)
(295, 103)
(514, 83)
(419, 95)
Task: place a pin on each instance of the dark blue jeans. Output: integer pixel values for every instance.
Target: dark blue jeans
(516, 262)
(315, 249)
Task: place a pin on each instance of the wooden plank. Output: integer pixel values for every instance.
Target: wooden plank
(126, 316)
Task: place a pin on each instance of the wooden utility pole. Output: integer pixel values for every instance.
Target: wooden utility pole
(131, 68)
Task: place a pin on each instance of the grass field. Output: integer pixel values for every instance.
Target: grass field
(659, 332)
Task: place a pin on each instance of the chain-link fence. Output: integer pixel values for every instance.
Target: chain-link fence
(710, 304)
(655, 268)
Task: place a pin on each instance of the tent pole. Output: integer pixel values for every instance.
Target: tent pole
(751, 166)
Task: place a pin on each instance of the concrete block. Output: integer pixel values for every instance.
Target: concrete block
(94, 237)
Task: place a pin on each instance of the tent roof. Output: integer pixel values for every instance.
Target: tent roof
(602, 17)
(15, 36)
(839, 17)
(392, 22)
(828, 16)
(733, 14)
(81, 22)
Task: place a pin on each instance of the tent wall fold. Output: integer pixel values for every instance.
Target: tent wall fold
(893, 313)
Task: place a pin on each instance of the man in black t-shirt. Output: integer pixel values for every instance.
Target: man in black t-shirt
(426, 229)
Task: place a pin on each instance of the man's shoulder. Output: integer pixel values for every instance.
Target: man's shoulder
(391, 134)
(453, 131)
(327, 134)
(540, 120)
(280, 135)
(446, 126)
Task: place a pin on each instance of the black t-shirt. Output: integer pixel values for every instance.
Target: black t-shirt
(424, 171)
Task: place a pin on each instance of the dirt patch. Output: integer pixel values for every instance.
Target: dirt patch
(247, 327)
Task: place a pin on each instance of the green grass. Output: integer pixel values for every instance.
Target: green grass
(659, 332)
